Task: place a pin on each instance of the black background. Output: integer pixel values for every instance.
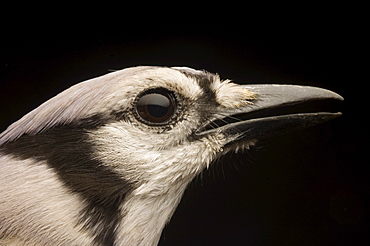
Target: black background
(306, 188)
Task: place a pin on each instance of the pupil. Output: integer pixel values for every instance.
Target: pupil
(157, 105)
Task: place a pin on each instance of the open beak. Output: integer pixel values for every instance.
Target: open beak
(240, 124)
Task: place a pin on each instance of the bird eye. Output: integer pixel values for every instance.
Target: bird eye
(155, 106)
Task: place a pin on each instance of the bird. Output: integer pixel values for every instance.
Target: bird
(106, 161)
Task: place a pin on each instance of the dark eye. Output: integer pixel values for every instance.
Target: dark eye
(156, 106)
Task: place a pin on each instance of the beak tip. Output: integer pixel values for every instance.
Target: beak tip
(334, 95)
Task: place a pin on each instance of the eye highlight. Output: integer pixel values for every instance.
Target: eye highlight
(155, 106)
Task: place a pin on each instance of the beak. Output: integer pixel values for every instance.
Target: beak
(241, 124)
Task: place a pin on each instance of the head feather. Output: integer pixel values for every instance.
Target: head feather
(81, 101)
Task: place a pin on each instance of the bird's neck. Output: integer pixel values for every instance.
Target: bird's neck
(145, 216)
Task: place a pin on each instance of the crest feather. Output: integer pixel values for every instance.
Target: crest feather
(78, 102)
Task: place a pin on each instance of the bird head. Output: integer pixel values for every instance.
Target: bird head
(135, 138)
